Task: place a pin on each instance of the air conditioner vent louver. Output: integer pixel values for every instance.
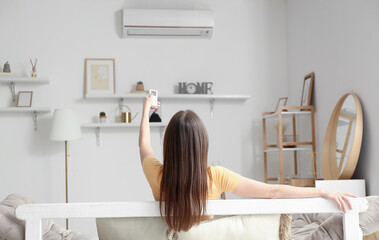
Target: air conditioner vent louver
(159, 22)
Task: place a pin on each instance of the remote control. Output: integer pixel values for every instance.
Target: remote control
(154, 93)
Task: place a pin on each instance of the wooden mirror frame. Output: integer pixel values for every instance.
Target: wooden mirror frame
(329, 159)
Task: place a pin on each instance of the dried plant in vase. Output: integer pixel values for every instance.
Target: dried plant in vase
(34, 69)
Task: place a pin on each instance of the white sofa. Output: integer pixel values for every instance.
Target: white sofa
(33, 213)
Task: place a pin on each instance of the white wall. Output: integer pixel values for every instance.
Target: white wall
(339, 41)
(247, 55)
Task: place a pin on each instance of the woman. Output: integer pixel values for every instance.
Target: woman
(184, 181)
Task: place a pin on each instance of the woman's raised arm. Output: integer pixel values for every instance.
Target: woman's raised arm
(145, 148)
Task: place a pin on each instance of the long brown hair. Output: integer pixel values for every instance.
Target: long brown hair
(184, 185)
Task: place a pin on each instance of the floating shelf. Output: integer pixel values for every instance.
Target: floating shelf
(24, 80)
(21, 80)
(97, 127)
(210, 97)
(120, 125)
(34, 110)
(171, 96)
(25, 109)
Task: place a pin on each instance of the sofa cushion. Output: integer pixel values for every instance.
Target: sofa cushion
(131, 228)
(330, 225)
(11, 228)
(234, 227)
(369, 220)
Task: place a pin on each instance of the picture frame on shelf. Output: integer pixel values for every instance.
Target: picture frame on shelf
(24, 99)
(306, 96)
(100, 77)
(281, 103)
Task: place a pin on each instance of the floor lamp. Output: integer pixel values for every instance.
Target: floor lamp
(65, 128)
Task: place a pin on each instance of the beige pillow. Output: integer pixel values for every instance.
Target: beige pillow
(234, 227)
(131, 228)
(369, 220)
(247, 227)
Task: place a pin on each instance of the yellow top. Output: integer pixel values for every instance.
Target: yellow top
(223, 180)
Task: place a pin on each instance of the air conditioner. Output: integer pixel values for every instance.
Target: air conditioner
(162, 22)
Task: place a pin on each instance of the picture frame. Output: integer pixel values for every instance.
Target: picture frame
(100, 77)
(281, 103)
(24, 99)
(306, 96)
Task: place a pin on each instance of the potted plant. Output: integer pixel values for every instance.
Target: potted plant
(102, 117)
(140, 86)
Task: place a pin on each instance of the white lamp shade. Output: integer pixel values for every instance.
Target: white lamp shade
(65, 125)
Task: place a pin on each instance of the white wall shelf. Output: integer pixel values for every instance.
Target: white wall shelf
(22, 80)
(171, 96)
(34, 110)
(25, 109)
(120, 125)
(210, 97)
(97, 127)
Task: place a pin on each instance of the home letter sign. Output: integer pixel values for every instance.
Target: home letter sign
(196, 88)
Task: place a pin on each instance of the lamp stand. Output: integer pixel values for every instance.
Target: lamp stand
(65, 148)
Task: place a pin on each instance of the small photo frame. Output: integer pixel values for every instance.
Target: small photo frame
(306, 96)
(24, 99)
(100, 76)
(281, 103)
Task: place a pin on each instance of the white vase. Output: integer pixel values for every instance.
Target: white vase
(103, 119)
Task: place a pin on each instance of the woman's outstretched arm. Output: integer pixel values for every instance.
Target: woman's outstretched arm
(145, 148)
(254, 189)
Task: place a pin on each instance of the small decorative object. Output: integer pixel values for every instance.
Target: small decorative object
(102, 117)
(140, 86)
(7, 68)
(24, 99)
(154, 117)
(100, 76)
(195, 88)
(306, 96)
(34, 69)
(124, 117)
(281, 103)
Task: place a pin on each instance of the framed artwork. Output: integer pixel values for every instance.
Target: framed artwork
(281, 103)
(24, 99)
(306, 96)
(100, 76)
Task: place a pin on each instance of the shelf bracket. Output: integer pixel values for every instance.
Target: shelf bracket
(97, 133)
(13, 87)
(212, 106)
(35, 120)
(120, 105)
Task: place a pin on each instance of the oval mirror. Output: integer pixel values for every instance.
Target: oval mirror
(343, 139)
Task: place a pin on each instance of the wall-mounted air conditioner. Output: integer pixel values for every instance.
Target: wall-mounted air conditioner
(162, 22)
